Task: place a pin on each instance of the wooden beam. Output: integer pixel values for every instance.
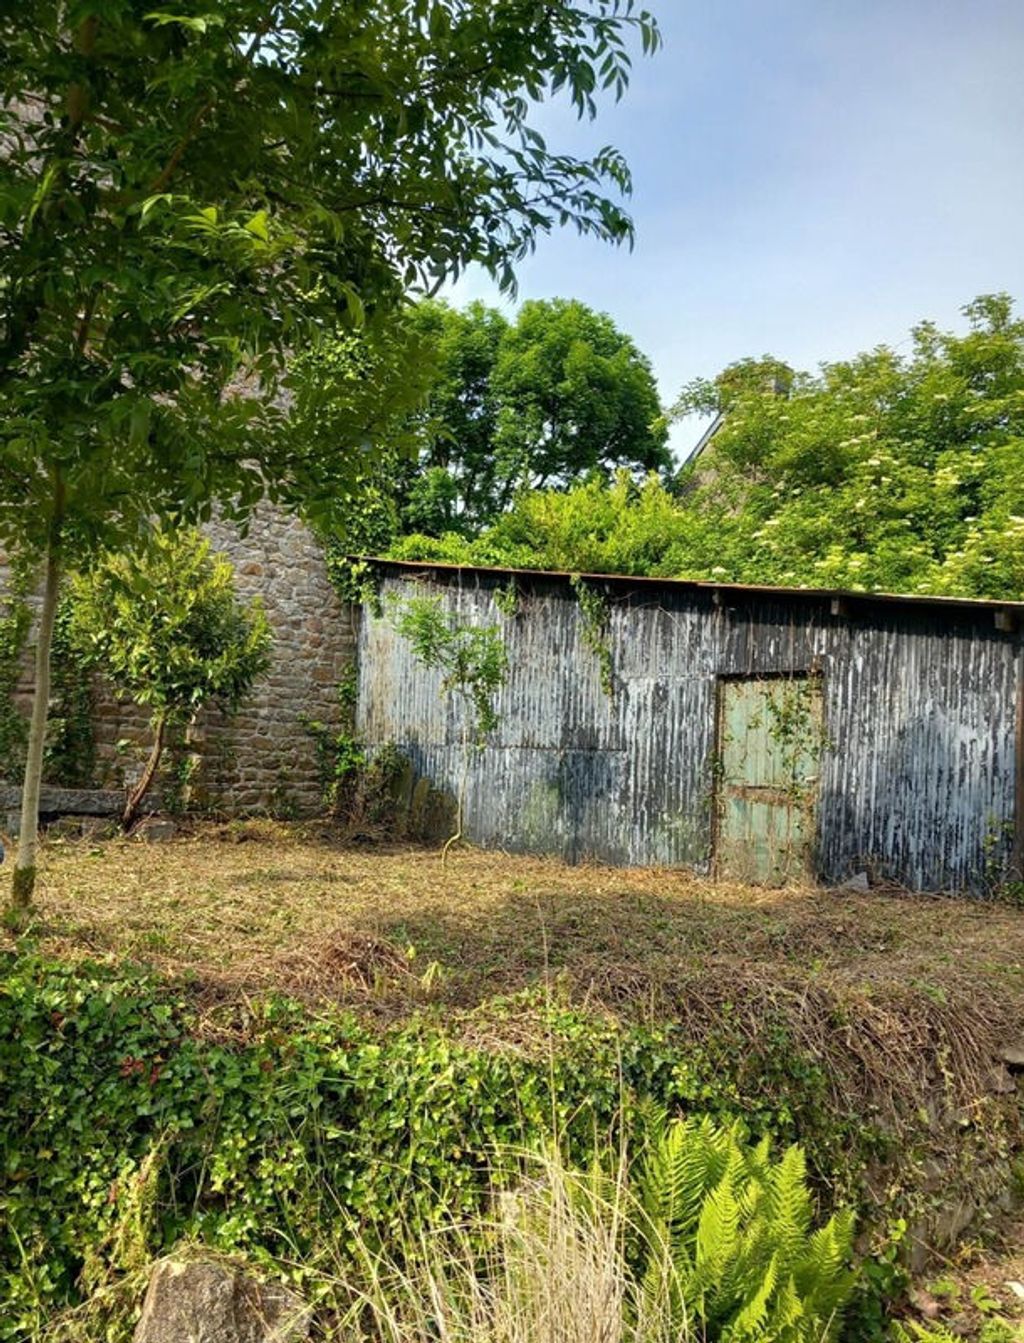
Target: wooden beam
(840, 606)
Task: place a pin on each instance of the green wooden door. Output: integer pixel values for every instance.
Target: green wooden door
(769, 744)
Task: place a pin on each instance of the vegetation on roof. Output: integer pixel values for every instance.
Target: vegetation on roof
(887, 472)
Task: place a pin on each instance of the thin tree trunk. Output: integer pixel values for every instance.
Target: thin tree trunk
(131, 807)
(28, 838)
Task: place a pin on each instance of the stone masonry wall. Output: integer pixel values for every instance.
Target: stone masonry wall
(263, 759)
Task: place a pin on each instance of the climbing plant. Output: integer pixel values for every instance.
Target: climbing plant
(70, 755)
(473, 664)
(595, 614)
(471, 658)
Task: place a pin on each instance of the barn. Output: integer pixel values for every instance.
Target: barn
(762, 734)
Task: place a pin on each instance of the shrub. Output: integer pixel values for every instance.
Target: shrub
(165, 627)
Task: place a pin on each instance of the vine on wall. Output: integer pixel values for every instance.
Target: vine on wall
(596, 616)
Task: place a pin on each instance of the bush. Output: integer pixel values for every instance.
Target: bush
(113, 1107)
(568, 1256)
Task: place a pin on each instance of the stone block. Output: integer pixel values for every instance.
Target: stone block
(216, 1303)
(65, 827)
(155, 830)
(858, 882)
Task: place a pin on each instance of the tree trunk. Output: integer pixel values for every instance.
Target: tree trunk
(131, 807)
(28, 839)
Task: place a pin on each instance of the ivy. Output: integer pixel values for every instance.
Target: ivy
(596, 615)
(70, 759)
(254, 1147)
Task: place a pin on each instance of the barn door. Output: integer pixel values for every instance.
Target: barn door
(769, 744)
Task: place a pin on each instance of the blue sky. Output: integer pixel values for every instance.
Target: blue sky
(811, 177)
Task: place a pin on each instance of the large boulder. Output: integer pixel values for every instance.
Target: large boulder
(202, 1301)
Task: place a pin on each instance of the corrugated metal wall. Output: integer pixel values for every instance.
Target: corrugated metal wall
(917, 777)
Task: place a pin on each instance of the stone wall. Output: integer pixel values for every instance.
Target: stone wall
(263, 759)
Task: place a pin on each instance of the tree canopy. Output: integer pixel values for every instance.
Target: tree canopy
(547, 398)
(190, 194)
(888, 471)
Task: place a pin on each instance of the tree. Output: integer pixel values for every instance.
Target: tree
(547, 399)
(190, 193)
(885, 472)
(575, 395)
(164, 627)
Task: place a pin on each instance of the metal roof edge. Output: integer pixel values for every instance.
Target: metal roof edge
(850, 596)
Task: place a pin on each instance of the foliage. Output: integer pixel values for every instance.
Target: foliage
(557, 1257)
(359, 788)
(884, 472)
(164, 626)
(557, 394)
(595, 617)
(14, 625)
(730, 1249)
(190, 195)
(493, 408)
(254, 1146)
(70, 739)
(992, 1331)
(471, 658)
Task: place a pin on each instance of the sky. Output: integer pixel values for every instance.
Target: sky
(811, 178)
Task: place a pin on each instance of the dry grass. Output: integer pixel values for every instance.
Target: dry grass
(882, 984)
(248, 907)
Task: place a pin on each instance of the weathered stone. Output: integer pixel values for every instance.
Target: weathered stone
(65, 827)
(858, 882)
(71, 801)
(98, 827)
(204, 1302)
(157, 830)
(246, 760)
(999, 1081)
(1012, 1054)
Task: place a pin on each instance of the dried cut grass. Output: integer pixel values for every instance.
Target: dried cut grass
(890, 992)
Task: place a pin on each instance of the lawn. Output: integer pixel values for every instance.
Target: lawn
(251, 906)
(245, 908)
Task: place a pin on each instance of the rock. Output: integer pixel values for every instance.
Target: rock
(999, 1082)
(1013, 1054)
(12, 822)
(925, 1304)
(205, 1302)
(1017, 1288)
(858, 882)
(64, 827)
(98, 827)
(73, 801)
(156, 831)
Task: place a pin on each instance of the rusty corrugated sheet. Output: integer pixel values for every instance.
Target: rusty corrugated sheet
(917, 759)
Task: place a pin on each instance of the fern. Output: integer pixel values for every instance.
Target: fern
(730, 1245)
